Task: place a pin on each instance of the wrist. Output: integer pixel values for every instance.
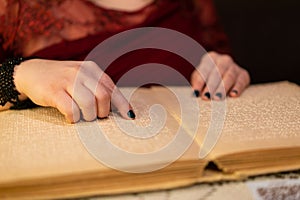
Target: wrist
(8, 90)
(17, 77)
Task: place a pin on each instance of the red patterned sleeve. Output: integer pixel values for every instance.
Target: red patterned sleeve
(3, 4)
(214, 37)
(2, 18)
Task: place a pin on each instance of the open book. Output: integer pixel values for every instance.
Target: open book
(176, 140)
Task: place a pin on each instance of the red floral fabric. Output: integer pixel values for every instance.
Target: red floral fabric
(22, 21)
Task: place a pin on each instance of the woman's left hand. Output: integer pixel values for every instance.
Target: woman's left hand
(217, 76)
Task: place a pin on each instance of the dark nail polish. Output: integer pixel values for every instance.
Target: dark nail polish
(234, 91)
(207, 94)
(131, 114)
(102, 117)
(196, 93)
(219, 94)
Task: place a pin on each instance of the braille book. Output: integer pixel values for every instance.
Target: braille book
(176, 140)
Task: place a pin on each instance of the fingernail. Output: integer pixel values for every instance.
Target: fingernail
(131, 114)
(196, 93)
(207, 94)
(234, 91)
(102, 117)
(219, 94)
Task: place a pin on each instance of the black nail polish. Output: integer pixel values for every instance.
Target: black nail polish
(234, 91)
(219, 94)
(196, 93)
(207, 94)
(131, 114)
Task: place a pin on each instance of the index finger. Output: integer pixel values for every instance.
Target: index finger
(103, 80)
(200, 75)
(121, 103)
(117, 98)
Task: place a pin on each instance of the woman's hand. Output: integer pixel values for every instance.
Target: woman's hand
(217, 76)
(73, 87)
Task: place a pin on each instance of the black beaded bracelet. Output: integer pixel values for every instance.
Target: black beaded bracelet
(8, 92)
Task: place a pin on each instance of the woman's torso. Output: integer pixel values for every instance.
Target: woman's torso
(70, 29)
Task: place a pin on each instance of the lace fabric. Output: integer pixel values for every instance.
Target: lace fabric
(28, 26)
(53, 21)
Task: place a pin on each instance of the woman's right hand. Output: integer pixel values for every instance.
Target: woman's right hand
(73, 87)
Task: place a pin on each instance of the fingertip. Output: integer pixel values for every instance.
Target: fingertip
(73, 117)
(197, 83)
(65, 105)
(131, 114)
(218, 96)
(70, 120)
(122, 105)
(103, 117)
(206, 96)
(234, 93)
(128, 114)
(196, 93)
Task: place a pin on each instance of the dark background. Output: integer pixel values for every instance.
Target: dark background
(264, 37)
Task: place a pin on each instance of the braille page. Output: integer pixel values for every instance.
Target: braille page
(265, 116)
(40, 143)
(260, 130)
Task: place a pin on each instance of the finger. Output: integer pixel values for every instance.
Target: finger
(103, 102)
(243, 80)
(65, 104)
(85, 100)
(117, 98)
(201, 74)
(212, 84)
(92, 75)
(197, 83)
(229, 79)
(91, 69)
(102, 95)
(215, 87)
(121, 103)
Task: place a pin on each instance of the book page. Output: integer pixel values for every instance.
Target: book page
(152, 141)
(256, 133)
(266, 116)
(37, 143)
